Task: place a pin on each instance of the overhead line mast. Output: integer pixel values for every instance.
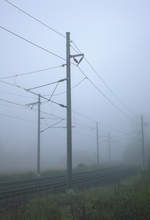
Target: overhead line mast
(69, 115)
(69, 110)
(97, 141)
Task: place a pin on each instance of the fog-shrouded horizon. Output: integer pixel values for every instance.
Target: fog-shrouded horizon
(114, 37)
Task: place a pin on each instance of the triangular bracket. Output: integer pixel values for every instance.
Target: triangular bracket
(78, 61)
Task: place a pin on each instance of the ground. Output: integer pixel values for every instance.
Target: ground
(128, 200)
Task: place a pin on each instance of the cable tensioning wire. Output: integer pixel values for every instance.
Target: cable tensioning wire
(73, 87)
(79, 83)
(6, 106)
(58, 122)
(36, 19)
(11, 102)
(92, 67)
(31, 72)
(106, 85)
(75, 50)
(85, 126)
(103, 94)
(97, 88)
(98, 75)
(15, 94)
(84, 116)
(32, 43)
(15, 117)
(51, 114)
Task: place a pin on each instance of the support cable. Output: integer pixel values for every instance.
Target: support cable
(15, 117)
(76, 48)
(31, 72)
(31, 43)
(103, 94)
(10, 102)
(58, 122)
(73, 87)
(34, 18)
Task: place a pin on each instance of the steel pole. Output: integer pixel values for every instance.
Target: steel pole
(143, 144)
(97, 141)
(38, 142)
(109, 147)
(69, 116)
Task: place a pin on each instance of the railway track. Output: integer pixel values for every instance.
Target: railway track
(16, 192)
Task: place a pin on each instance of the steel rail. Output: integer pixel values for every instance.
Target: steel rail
(20, 190)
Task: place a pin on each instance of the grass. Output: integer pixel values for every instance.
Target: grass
(129, 200)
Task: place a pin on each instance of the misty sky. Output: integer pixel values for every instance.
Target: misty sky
(113, 35)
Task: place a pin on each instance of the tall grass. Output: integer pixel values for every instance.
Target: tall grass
(129, 200)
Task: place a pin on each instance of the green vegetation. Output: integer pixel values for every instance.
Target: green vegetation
(129, 200)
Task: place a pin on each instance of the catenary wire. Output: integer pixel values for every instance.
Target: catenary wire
(15, 117)
(10, 102)
(31, 72)
(34, 18)
(103, 94)
(58, 122)
(50, 29)
(32, 43)
(85, 125)
(76, 49)
(15, 94)
(51, 114)
(83, 116)
(55, 55)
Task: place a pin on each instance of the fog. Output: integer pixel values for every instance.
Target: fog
(114, 37)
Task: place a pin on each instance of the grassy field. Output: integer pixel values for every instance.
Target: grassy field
(129, 200)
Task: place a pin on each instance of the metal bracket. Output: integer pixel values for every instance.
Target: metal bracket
(81, 55)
